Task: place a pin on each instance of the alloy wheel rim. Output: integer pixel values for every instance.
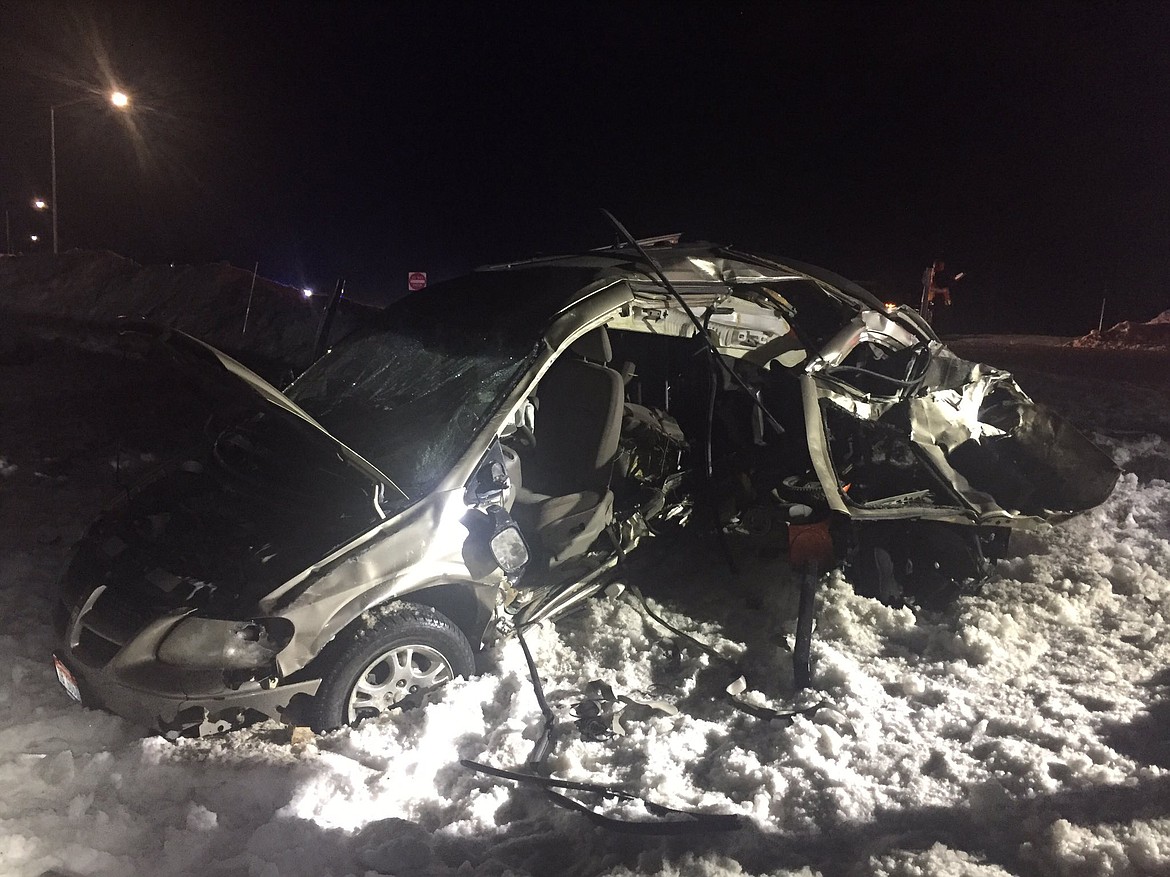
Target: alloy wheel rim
(404, 673)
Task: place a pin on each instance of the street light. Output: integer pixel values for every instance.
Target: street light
(117, 99)
(37, 204)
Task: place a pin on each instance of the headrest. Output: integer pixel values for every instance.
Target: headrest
(594, 346)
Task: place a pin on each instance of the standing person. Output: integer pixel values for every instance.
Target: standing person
(936, 283)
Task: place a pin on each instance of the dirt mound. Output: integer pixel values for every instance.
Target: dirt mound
(1127, 335)
(210, 302)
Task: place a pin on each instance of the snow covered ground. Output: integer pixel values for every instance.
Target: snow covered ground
(1025, 730)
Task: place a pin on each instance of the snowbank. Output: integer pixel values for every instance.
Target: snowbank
(79, 289)
(1153, 335)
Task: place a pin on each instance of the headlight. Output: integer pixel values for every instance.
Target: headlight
(218, 644)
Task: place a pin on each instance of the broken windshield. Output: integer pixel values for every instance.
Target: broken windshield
(411, 395)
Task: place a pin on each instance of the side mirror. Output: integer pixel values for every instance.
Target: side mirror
(507, 543)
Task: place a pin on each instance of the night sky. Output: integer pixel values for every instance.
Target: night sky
(1029, 146)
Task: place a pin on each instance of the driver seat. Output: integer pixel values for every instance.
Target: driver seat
(565, 501)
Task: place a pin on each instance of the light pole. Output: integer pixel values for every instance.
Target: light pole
(117, 99)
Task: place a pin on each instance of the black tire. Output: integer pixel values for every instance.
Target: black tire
(390, 658)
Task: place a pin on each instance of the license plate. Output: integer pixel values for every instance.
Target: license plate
(67, 679)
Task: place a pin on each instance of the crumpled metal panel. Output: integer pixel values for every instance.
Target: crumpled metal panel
(947, 418)
(431, 543)
(1008, 460)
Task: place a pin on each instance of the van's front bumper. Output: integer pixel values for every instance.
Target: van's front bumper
(174, 714)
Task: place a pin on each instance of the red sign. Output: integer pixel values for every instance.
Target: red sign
(416, 280)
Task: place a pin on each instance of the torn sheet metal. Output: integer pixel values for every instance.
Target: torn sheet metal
(998, 458)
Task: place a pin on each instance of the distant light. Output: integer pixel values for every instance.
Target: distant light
(891, 306)
(34, 237)
(119, 99)
(39, 203)
(308, 292)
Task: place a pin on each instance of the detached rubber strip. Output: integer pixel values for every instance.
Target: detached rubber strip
(689, 822)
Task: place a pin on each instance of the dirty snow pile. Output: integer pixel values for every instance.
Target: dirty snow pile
(1152, 335)
(270, 325)
(1024, 730)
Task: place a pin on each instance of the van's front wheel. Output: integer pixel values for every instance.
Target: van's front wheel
(391, 658)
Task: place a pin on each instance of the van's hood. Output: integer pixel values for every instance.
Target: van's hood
(213, 364)
(269, 493)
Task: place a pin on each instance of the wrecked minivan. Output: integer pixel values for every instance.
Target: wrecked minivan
(490, 450)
